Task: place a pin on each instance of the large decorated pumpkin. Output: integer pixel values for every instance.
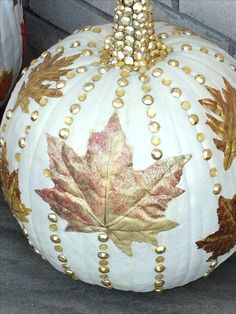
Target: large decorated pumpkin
(119, 153)
(11, 26)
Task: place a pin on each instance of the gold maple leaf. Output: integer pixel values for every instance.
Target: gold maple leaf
(10, 186)
(225, 126)
(223, 240)
(101, 192)
(51, 69)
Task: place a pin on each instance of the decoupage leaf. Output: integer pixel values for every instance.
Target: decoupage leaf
(223, 240)
(50, 70)
(10, 186)
(101, 191)
(5, 83)
(223, 105)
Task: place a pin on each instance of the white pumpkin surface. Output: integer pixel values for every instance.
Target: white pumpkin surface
(76, 116)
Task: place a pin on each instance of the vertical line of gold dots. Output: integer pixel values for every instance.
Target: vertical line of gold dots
(56, 240)
(122, 82)
(159, 269)
(103, 260)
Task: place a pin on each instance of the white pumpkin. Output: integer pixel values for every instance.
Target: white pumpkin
(11, 22)
(123, 175)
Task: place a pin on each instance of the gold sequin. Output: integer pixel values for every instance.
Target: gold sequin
(187, 70)
(204, 50)
(200, 79)
(160, 249)
(9, 114)
(104, 269)
(55, 238)
(53, 227)
(70, 74)
(214, 264)
(82, 69)
(148, 100)
(201, 137)
(193, 119)
(157, 72)
(82, 97)
(219, 57)
(62, 258)
(22, 142)
(103, 247)
(213, 172)
(160, 259)
(17, 157)
(120, 92)
(43, 102)
(27, 129)
(53, 217)
(25, 232)
(159, 283)
(64, 133)
(34, 115)
(97, 29)
(151, 113)
(69, 120)
(160, 268)
(47, 173)
(156, 154)
(61, 84)
(207, 154)
(75, 44)
(123, 82)
(58, 248)
(87, 52)
(217, 188)
(118, 103)
(146, 88)
(103, 237)
(156, 140)
(96, 77)
(103, 255)
(103, 262)
(75, 108)
(69, 272)
(86, 28)
(163, 35)
(2, 142)
(186, 47)
(173, 63)
(88, 87)
(176, 92)
(154, 126)
(91, 44)
(166, 81)
(186, 105)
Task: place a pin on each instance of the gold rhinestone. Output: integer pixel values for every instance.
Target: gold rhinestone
(9, 114)
(204, 50)
(214, 264)
(159, 277)
(186, 105)
(36, 251)
(17, 157)
(160, 249)
(103, 247)
(146, 88)
(2, 142)
(53, 217)
(148, 100)
(91, 44)
(95, 64)
(60, 84)
(97, 30)
(55, 238)
(187, 70)
(176, 92)
(144, 79)
(123, 82)
(60, 49)
(163, 35)
(82, 97)
(233, 67)
(103, 237)
(169, 49)
(96, 77)
(120, 92)
(68, 120)
(219, 57)
(88, 87)
(124, 74)
(27, 129)
(44, 54)
(156, 140)
(103, 262)
(201, 137)
(103, 70)
(193, 119)
(62, 258)
(22, 142)
(166, 81)
(156, 154)
(213, 172)
(86, 28)
(200, 79)
(81, 69)
(157, 72)
(106, 282)
(160, 259)
(58, 248)
(25, 232)
(173, 63)
(160, 268)
(103, 255)
(47, 173)
(159, 290)
(70, 74)
(186, 47)
(33, 61)
(53, 227)
(118, 103)
(104, 269)
(43, 102)
(75, 44)
(75, 108)
(151, 113)
(87, 52)
(207, 154)
(69, 272)
(65, 266)
(34, 115)
(217, 188)
(104, 276)
(154, 126)
(159, 283)
(64, 133)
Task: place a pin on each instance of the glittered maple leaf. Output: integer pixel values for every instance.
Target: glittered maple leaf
(101, 191)
(10, 186)
(223, 240)
(50, 70)
(225, 125)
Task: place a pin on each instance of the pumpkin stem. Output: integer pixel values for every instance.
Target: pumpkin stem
(133, 42)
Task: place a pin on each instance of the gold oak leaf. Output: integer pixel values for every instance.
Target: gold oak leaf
(10, 186)
(223, 240)
(225, 127)
(101, 192)
(50, 70)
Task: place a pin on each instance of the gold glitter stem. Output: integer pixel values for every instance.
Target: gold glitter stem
(133, 41)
